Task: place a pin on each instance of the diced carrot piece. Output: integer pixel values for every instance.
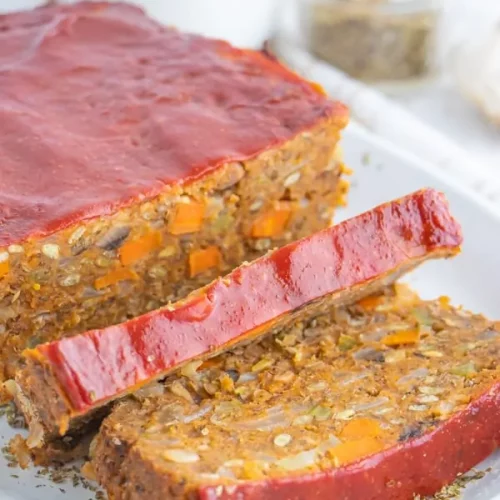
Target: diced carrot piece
(405, 295)
(273, 222)
(252, 469)
(318, 88)
(401, 337)
(137, 249)
(34, 262)
(345, 169)
(342, 190)
(370, 302)
(187, 218)
(351, 451)
(88, 472)
(361, 428)
(4, 268)
(210, 363)
(204, 259)
(444, 302)
(115, 276)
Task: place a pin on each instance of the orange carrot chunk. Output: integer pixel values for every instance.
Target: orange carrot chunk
(204, 259)
(351, 451)
(401, 337)
(115, 276)
(4, 268)
(137, 249)
(444, 301)
(361, 428)
(210, 363)
(187, 218)
(371, 302)
(273, 222)
(318, 88)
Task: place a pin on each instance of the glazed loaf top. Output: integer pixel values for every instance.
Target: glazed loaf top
(101, 106)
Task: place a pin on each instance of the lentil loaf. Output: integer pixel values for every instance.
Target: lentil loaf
(138, 163)
(65, 382)
(407, 400)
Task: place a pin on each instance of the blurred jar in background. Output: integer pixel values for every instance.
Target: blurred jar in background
(376, 41)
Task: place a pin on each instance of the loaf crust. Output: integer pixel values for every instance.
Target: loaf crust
(139, 163)
(65, 381)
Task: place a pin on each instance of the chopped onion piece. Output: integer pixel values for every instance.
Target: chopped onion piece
(196, 415)
(209, 477)
(318, 386)
(189, 369)
(379, 333)
(370, 404)
(225, 472)
(181, 456)
(328, 444)
(237, 462)
(487, 334)
(11, 387)
(153, 442)
(445, 407)
(264, 457)
(302, 460)
(355, 377)
(35, 438)
(265, 423)
(417, 374)
(308, 458)
(303, 420)
(368, 354)
(151, 390)
(247, 377)
(282, 440)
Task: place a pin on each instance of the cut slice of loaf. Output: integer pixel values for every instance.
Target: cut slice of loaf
(405, 401)
(66, 381)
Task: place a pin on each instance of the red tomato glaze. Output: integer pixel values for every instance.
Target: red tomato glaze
(102, 364)
(100, 106)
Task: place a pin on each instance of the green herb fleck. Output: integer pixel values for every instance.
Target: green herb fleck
(422, 316)
(466, 370)
(321, 413)
(346, 342)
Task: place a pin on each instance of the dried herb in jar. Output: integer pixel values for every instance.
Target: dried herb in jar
(373, 41)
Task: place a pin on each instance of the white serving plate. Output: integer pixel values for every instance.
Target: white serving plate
(382, 172)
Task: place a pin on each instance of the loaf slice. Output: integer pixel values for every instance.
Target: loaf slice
(66, 381)
(138, 163)
(408, 399)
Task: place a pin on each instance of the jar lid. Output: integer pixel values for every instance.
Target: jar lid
(396, 6)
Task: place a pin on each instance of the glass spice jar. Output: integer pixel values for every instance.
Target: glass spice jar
(376, 41)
